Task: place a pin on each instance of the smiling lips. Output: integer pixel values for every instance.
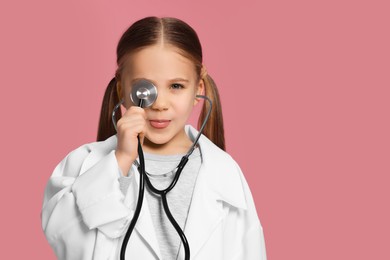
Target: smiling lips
(159, 124)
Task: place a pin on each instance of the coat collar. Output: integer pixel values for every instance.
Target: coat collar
(223, 178)
(218, 181)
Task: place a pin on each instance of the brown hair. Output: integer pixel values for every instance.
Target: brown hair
(149, 31)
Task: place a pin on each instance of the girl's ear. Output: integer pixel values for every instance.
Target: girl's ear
(200, 91)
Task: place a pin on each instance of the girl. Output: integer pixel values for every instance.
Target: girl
(91, 197)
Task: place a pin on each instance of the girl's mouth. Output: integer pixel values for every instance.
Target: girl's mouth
(159, 124)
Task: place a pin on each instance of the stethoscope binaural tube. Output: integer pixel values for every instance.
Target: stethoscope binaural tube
(145, 93)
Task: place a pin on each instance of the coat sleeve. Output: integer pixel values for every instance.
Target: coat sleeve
(76, 205)
(244, 237)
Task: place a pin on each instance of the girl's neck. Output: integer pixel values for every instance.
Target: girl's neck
(178, 145)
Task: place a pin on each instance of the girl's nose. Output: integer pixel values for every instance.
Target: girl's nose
(161, 102)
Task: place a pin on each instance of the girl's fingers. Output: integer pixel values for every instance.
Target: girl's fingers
(135, 111)
(131, 125)
(136, 125)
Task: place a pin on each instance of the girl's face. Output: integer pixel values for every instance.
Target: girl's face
(177, 86)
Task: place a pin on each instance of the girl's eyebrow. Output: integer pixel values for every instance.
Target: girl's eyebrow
(179, 79)
(171, 80)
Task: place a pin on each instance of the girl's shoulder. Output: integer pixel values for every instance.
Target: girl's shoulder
(73, 162)
(97, 146)
(215, 154)
(208, 148)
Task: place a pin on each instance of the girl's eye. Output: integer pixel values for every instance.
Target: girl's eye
(177, 86)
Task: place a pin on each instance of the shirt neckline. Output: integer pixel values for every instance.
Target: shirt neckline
(172, 157)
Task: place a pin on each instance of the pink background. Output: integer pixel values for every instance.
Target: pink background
(305, 93)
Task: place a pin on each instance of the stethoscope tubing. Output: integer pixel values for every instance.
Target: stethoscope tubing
(162, 193)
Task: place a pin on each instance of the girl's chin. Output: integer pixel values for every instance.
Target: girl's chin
(149, 140)
(161, 138)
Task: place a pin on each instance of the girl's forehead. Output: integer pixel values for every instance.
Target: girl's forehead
(159, 58)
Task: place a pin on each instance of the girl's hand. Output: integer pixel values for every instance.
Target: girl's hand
(130, 125)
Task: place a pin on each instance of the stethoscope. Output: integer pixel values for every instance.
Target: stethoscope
(144, 93)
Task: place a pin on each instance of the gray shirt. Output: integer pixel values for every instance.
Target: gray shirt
(159, 169)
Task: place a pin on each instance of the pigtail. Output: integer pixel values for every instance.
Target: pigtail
(214, 128)
(110, 99)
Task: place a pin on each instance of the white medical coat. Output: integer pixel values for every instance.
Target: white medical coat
(85, 215)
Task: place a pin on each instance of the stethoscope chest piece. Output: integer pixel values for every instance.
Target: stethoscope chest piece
(143, 90)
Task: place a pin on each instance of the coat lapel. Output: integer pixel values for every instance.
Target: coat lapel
(144, 225)
(204, 215)
(218, 181)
